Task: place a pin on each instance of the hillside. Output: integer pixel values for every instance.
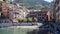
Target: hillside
(34, 4)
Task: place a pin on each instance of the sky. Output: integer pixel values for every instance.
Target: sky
(48, 0)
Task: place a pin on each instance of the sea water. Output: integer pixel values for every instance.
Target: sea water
(14, 31)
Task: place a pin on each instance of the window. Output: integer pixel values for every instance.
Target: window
(39, 14)
(4, 0)
(58, 8)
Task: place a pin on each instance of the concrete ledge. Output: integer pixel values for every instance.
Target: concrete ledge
(25, 27)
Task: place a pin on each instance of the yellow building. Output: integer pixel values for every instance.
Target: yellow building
(48, 13)
(59, 17)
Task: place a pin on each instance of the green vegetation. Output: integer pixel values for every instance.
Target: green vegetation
(27, 20)
(30, 19)
(20, 20)
(35, 4)
(35, 19)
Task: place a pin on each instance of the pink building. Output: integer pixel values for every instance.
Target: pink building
(10, 14)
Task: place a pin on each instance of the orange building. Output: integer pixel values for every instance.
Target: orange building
(4, 10)
(7, 13)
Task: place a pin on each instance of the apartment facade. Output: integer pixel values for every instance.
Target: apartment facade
(4, 10)
(6, 13)
(40, 15)
(58, 11)
(12, 11)
(19, 11)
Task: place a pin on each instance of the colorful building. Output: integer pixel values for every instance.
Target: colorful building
(58, 10)
(7, 12)
(19, 11)
(40, 15)
(10, 14)
(4, 10)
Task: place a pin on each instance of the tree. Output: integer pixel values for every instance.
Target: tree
(34, 19)
(30, 19)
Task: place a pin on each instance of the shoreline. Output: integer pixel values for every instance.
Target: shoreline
(22, 27)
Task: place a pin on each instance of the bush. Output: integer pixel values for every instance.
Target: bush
(30, 19)
(27, 20)
(20, 20)
(35, 19)
(24, 19)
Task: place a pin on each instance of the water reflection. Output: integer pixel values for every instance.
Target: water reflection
(14, 31)
(38, 32)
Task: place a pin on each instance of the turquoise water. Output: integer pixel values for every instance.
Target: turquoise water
(14, 31)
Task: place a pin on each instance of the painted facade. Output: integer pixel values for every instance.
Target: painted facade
(41, 15)
(58, 11)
